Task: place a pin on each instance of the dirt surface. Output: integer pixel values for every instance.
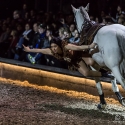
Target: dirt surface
(22, 103)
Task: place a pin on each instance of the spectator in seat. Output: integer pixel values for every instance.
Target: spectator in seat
(76, 38)
(24, 39)
(12, 46)
(38, 57)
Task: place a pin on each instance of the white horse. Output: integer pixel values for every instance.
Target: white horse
(111, 43)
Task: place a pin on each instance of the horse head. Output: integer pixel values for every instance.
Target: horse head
(81, 16)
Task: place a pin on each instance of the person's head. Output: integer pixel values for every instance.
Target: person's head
(24, 6)
(16, 14)
(72, 27)
(48, 32)
(70, 19)
(27, 26)
(32, 13)
(35, 27)
(103, 14)
(8, 30)
(41, 28)
(26, 16)
(119, 8)
(97, 19)
(13, 33)
(91, 18)
(19, 27)
(61, 32)
(67, 33)
(56, 45)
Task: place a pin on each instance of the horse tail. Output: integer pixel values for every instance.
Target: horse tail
(121, 42)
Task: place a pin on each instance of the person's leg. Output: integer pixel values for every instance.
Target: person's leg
(89, 61)
(84, 70)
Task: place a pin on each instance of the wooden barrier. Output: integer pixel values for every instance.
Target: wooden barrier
(51, 76)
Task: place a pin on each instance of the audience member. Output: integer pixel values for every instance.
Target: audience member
(76, 38)
(24, 39)
(36, 58)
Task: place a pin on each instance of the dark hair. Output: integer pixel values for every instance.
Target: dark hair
(43, 26)
(56, 41)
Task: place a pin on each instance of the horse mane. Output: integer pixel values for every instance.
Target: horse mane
(84, 13)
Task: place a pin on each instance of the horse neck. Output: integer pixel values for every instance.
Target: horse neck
(86, 26)
(84, 31)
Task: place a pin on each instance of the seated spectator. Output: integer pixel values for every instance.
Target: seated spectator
(55, 29)
(72, 28)
(107, 20)
(119, 12)
(26, 17)
(19, 29)
(97, 20)
(32, 16)
(46, 44)
(61, 33)
(12, 46)
(62, 21)
(67, 34)
(5, 33)
(4, 41)
(24, 39)
(17, 19)
(91, 17)
(76, 38)
(35, 36)
(37, 57)
(24, 10)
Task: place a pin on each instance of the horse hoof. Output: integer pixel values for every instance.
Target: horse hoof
(123, 101)
(101, 106)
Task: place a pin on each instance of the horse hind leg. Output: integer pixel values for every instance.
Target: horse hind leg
(121, 80)
(116, 91)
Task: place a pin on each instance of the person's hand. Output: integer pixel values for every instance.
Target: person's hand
(27, 49)
(91, 46)
(26, 37)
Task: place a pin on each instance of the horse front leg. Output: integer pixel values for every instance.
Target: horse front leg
(102, 104)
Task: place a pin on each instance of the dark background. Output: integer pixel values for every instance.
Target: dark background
(7, 6)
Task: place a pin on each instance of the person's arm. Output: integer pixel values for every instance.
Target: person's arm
(80, 48)
(46, 51)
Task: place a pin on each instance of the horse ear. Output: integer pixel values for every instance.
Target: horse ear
(87, 7)
(73, 8)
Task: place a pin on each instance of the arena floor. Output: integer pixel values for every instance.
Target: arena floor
(22, 103)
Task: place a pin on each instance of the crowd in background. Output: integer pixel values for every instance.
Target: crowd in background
(37, 29)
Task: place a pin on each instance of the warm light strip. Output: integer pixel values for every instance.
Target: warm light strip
(37, 76)
(72, 94)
